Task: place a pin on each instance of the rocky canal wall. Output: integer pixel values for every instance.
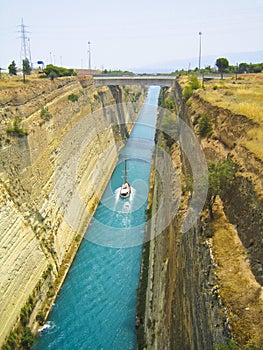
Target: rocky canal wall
(187, 297)
(59, 146)
(178, 305)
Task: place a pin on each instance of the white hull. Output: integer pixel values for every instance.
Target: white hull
(125, 190)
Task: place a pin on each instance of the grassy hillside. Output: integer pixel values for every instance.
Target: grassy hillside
(242, 96)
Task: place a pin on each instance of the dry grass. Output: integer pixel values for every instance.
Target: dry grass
(16, 81)
(9, 83)
(243, 97)
(254, 142)
(239, 290)
(240, 96)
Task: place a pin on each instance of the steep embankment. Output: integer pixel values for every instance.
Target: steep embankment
(58, 150)
(197, 289)
(237, 237)
(243, 202)
(178, 306)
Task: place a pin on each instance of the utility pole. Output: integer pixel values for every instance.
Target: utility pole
(200, 46)
(89, 52)
(25, 43)
(188, 69)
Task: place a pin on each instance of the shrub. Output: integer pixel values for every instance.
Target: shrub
(25, 314)
(221, 176)
(40, 317)
(73, 97)
(12, 68)
(12, 341)
(54, 71)
(43, 76)
(15, 129)
(27, 338)
(44, 113)
(187, 93)
(194, 82)
(205, 126)
(196, 119)
(231, 345)
(126, 90)
(169, 104)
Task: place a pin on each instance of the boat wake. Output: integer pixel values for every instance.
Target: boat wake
(124, 203)
(47, 326)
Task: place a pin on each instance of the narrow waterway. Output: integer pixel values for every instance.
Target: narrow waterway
(96, 306)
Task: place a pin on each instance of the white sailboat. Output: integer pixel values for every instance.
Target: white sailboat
(125, 190)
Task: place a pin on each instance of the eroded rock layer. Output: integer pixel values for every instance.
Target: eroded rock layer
(59, 145)
(203, 288)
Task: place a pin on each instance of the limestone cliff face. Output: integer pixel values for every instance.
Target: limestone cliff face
(179, 308)
(243, 203)
(51, 181)
(183, 300)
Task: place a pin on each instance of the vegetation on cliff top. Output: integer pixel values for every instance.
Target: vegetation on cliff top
(12, 69)
(243, 96)
(54, 71)
(192, 84)
(222, 64)
(241, 68)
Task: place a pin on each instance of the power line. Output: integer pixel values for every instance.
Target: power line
(25, 52)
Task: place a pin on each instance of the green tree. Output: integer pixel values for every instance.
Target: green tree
(221, 176)
(12, 68)
(26, 68)
(222, 64)
(243, 67)
(257, 68)
(54, 71)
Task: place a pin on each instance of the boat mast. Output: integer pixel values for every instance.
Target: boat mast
(125, 176)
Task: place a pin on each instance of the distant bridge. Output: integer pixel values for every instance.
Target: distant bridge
(147, 80)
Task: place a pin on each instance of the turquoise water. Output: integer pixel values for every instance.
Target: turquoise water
(96, 306)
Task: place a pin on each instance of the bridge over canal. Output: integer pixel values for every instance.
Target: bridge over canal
(158, 80)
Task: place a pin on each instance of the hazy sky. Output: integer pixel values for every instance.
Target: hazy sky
(128, 34)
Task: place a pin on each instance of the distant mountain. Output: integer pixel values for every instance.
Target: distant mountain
(172, 65)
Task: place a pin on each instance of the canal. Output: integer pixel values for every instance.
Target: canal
(96, 306)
